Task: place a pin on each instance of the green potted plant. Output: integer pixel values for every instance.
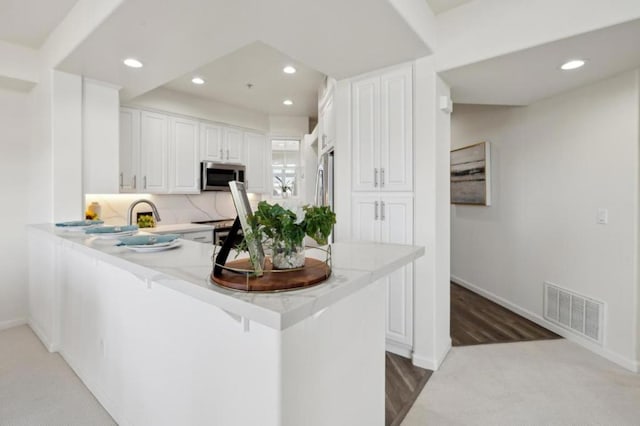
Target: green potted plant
(285, 187)
(282, 231)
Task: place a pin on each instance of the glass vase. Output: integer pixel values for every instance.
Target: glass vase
(284, 257)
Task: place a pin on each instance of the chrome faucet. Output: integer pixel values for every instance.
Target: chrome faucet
(135, 203)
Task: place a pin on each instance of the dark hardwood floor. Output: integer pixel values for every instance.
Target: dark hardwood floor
(403, 384)
(476, 320)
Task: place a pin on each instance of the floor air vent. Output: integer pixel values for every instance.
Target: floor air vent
(579, 314)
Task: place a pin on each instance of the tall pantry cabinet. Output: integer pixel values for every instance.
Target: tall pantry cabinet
(382, 184)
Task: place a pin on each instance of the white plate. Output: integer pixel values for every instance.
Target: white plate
(149, 248)
(77, 228)
(114, 235)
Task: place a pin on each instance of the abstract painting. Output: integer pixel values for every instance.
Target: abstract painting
(470, 172)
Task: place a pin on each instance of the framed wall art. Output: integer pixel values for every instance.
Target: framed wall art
(470, 175)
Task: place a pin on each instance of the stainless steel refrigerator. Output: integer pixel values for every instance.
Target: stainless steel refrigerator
(325, 183)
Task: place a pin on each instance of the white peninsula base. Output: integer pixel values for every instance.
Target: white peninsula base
(159, 348)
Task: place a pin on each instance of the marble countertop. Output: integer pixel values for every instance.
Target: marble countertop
(186, 269)
(178, 227)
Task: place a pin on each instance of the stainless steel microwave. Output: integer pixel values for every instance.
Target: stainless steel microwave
(216, 176)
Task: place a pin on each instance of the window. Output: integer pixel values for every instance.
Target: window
(285, 154)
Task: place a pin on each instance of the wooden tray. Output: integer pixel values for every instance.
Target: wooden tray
(314, 272)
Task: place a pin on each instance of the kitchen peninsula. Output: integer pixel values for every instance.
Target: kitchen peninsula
(157, 343)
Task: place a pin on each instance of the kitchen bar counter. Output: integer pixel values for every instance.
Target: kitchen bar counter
(178, 228)
(157, 343)
(187, 268)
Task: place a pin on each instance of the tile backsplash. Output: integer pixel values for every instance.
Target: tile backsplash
(172, 208)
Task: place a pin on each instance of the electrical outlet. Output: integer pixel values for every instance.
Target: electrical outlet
(602, 217)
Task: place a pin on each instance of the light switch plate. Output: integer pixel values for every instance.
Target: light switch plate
(602, 217)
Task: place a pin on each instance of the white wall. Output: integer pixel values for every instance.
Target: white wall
(15, 122)
(171, 101)
(555, 163)
(288, 126)
(431, 164)
(66, 137)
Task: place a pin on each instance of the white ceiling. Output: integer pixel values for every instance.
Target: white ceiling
(172, 38)
(29, 22)
(335, 37)
(439, 6)
(529, 75)
(226, 80)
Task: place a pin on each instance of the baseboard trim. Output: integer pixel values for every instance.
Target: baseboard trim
(616, 358)
(42, 335)
(398, 349)
(432, 363)
(4, 325)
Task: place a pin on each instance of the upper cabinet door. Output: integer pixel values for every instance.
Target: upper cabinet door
(396, 134)
(256, 161)
(184, 156)
(129, 149)
(154, 149)
(233, 145)
(366, 134)
(211, 142)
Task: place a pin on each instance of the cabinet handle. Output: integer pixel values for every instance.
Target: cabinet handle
(135, 182)
(144, 180)
(382, 178)
(199, 238)
(227, 153)
(375, 210)
(121, 177)
(382, 208)
(375, 177)
(221, 154)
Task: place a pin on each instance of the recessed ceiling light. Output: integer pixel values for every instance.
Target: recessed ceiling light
(572, 64)
(197, 80)
(287, 102)
(289, 70)
(133, 63)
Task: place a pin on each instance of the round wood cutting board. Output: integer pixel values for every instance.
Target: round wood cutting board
(314, 272)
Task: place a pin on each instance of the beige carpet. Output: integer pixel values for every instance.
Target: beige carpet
(552, 382)
(39, 388)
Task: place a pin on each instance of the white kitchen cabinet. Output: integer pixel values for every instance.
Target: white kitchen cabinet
(388, 218)
(233, 145)
(211, 142)
(99, 135)
(129, 149)
(159, 153)
(382, 135)
(221, 143)
(256, 162)
(184, 153)
(154, 138)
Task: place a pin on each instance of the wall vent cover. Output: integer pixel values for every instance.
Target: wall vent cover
(577, 313)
